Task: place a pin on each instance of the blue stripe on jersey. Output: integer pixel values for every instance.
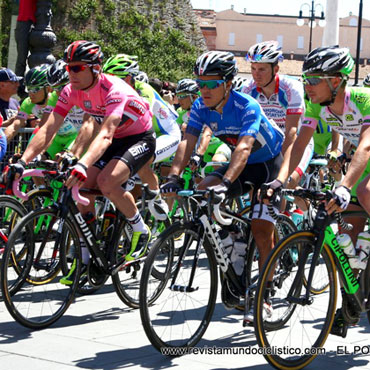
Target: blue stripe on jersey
(282, 98)
(241, 116)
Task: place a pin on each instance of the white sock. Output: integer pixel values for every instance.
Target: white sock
(138, 223)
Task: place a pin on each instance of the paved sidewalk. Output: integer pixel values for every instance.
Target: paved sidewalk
(99, 332)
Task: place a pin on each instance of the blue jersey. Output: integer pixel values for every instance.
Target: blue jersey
(241, 116)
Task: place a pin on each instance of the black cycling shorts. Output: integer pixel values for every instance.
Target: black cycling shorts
(256, 173)
(134, 151)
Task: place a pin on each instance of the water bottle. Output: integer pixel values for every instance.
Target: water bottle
(363, 249)
(345, 242)
(238, 256)
(297, 218)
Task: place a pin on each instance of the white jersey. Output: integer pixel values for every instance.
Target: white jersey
(287, 99)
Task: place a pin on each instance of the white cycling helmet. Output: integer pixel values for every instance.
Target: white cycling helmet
(366, 81)
(265, 52)
(238, 82)
(142, 77)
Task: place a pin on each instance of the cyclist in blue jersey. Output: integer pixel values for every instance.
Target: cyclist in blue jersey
(238, 120)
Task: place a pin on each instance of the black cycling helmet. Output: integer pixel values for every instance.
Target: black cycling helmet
(328, 60)
(187, 86)
(57, 74)
(83, 51)
(216, 63)
(36, 77)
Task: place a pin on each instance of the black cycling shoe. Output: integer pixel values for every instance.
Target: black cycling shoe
(340, 326)
(229, 297)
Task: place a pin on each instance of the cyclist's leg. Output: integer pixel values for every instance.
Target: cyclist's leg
(362, 189)
(129, 155)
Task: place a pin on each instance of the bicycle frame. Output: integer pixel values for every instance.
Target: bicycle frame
(206, 223)
(326, 236)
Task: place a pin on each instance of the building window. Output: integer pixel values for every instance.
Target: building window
(231, 38)
(353, 22)
(259, 38)
(300, 43)
(280, 40)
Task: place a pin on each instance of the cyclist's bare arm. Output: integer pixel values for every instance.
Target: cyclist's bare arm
(183, 154)
(239, 157)
(204, 141)
(43, 137)
(359, 159)
(86, 135)
(14, 127)
(291, 127)
(292, 159)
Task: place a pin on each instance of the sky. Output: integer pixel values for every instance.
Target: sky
(282, 7)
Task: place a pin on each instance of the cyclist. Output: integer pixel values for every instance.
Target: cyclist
(346, 110)
(124, 145)
(39, 102)
(209, 148)
(238, 120)
(164, 120)
(142, 77)
(281, 98)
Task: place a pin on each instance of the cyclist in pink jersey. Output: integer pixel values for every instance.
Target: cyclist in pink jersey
(123, 146)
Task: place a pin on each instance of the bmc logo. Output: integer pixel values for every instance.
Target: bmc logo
(139, 149)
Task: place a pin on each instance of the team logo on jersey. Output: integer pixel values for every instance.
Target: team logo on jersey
(162, 113)
(137, 107)
(349, 117)
(213, 126)
(61, 99)
(87, 104)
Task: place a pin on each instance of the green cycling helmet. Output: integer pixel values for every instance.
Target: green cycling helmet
(122, 65)
(36, 78)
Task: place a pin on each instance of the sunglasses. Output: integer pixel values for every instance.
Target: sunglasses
(181, 97)
(211, 84)
(34, 90)
(314, 80)
(76, 69)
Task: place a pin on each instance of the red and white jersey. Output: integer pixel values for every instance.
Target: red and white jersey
(287, 99)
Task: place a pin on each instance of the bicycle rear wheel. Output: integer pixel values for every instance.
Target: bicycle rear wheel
(185, 290)
(293, 341)
(30, 285)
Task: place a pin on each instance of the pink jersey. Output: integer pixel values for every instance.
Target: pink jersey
(111, 96)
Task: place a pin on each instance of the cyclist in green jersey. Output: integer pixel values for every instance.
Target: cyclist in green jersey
(346, 110)
(37, 104)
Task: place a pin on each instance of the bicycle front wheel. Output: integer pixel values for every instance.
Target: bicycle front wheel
(185, 287)
(293, 334)
(30, 281)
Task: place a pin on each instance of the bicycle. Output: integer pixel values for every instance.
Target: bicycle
(313, 314)
(39, 305)
(191, 277)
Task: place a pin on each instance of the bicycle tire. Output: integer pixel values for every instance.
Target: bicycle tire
(365, 282)
(37, 306)
(166, 320)
(287, 226)
(11, 211)
(314, 330)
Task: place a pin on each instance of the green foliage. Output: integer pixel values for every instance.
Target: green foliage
(163, 52)
(83, 9)
(6, 8)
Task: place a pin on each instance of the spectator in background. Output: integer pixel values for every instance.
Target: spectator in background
(9, 83)
(26, 18)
